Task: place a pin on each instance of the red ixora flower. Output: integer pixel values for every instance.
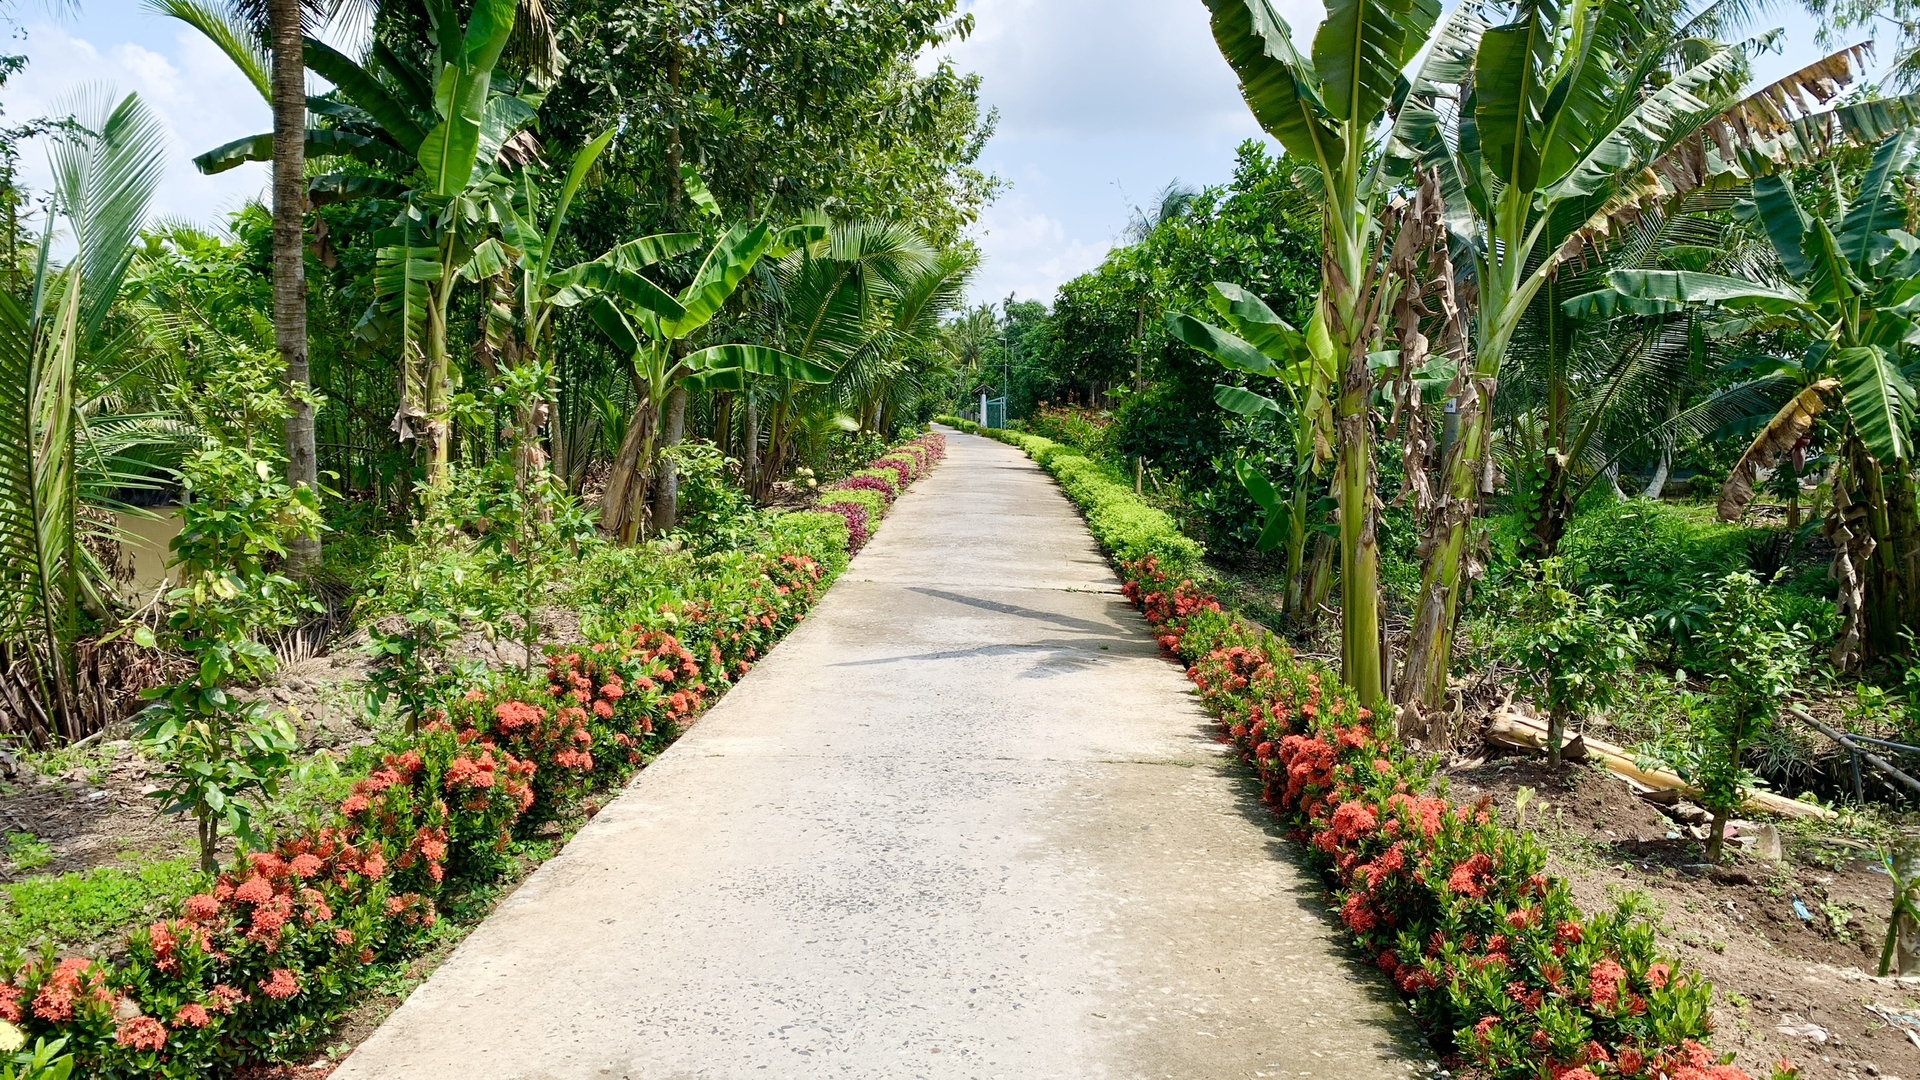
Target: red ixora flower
(192, 1014)
(280, 985)
(141, 1033)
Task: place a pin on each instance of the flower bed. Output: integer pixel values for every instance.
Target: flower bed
(863, 498)
(1490, 952)
(257, 968)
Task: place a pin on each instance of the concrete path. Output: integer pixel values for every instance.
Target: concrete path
(964, 822)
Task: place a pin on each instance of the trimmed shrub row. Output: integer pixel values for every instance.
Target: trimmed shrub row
(258, 967)
(1491, 953)
(863, 498)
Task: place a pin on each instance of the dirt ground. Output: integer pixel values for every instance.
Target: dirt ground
(1787, 982)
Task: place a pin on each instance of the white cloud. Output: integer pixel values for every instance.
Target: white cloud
(1097, 67)
(1028, 254)
(200, 97)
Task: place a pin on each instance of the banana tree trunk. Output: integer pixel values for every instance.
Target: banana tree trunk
(289, 259)
(1296, 559)
(1888, 575)
(1361, 661)
(621, 508)
(439, 426)
(666, 487)
(1449, 564)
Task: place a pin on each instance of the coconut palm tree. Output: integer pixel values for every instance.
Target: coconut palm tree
(105, 169)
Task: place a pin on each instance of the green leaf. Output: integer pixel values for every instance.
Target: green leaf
(727, 265)
(697, 193)
(1276, 81)
(583, 163)
(1229, 349)
(1656, 292)
(1785, 223)
(1877, 206)
(360, 87)
(320, 143)
(1360, 49)
(758, 360)
(1257, 486)
(1508, 93)
(1254, 321)
(1880, 401)
(613, 324)
(143, 637)
(1244, 402)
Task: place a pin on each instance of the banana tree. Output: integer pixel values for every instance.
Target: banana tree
(1322, 108)
(1548, 124)
(1261, 344)
(1851, 289)
(653, 327)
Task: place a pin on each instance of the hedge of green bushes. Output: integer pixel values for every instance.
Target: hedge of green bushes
(1490, 953)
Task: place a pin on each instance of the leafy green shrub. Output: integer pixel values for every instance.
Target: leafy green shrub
(220, 750)
(1662, 562)
(872, 501)
(1579, 649)
(1756, 657)
(715, 514)
(1076, 426)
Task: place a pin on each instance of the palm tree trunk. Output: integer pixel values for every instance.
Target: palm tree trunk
(666, 487)
(289, 259)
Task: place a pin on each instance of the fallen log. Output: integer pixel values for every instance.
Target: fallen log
(1523, 732)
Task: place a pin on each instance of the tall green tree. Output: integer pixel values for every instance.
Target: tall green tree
(105, 169)
(1322, 108)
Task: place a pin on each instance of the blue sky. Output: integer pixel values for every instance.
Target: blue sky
(1102, 102)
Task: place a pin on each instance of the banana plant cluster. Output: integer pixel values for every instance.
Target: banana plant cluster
(1323, 108)
(1850, 287)
(1259, 343)
(655, 328)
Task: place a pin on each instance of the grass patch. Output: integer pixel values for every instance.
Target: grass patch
(89, 905)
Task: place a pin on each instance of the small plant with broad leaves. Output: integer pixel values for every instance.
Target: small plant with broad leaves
(1578, 648)
(1755, 657)
(220, 749)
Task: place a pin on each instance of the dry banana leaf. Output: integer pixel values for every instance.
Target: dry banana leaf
(1781, 434)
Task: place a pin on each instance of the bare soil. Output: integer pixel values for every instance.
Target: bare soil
(1784, 985)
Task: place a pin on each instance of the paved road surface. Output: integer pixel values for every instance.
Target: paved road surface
(964, 822)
